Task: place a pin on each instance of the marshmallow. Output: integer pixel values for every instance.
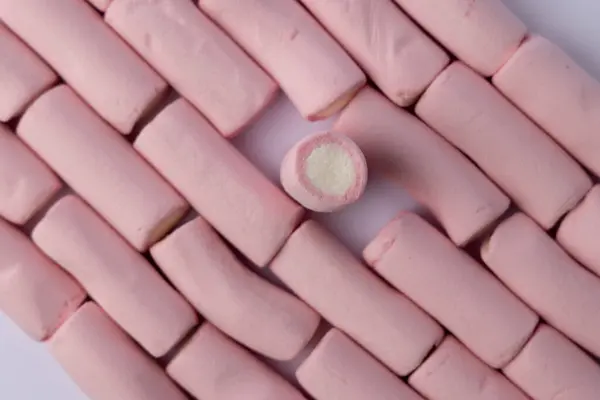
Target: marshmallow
(35, 293)
(549, 86)
(309, 65)
(550, 367)
(200, 61)
(324, 172)
(101, 167)
(219, 182)
(421, 263)
(463, 199)
(105, 363)
(101, 5)
(123, 283)
(213, 367)
(400, 58)
(453, 373)
(482, 33)
(248, 308)
(26, 183)
(579, 231)
(339, 369)
(540, 177)
(534, 267)
(327, 276)
(88, 55)
(23, 76)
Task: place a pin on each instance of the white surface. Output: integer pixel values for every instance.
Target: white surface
(28, 373)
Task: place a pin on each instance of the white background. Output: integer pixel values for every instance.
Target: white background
(28, 373)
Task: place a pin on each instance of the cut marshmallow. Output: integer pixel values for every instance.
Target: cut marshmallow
(421, 263)
(339, 369)
(116, 276)
(322, 272)
(26, 183)
(324, 172)
(246, 307)
(396, 143)
(549, 86)
(105, 363)
(542, 179)
(482, 33)
(309, 65)
(219, 182)
(101, 167)
(198, 59)
(452, 372)
(550, 367)
(72, 37)
(534, 267)
(23, 75)
(213, 367)
(34, 292)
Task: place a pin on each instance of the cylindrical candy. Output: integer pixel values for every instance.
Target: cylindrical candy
(26, 183)
(421, 263)
(463, 200)
(105, 363)
(452, 372)
(327, 276)
(101, 167)
(23, 75)
(400, 58)
(309, 65)
(248, 308)
(550, 367)
(482, 33)
(324, 172)
(88, 55)
(339, 369)
(579, 231)
(533, 266)
(539, 175)
(101, 5)
(549, 86)
(34, 292)
(213, 367)
(116, 276)
(200, 61)
(219, 182)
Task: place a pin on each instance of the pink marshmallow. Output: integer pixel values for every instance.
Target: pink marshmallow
(35, 293)
(23, 75)
(251, 310)
(219, 182)
(540, 176)
(26, 183)
(202, 63)
(213, 367)
(88, 55)
(393, 51)
(101, 5)
(394, 142)
(326, 275)
(579, 231)
(549, 86)
(339, 369)
(421, 263)
(550, 367)
(452, 372)
(309, 65)
(482, 33)
(101, 167)
(123, 283)
(534, 267)
(105, 363)
(324, 172)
